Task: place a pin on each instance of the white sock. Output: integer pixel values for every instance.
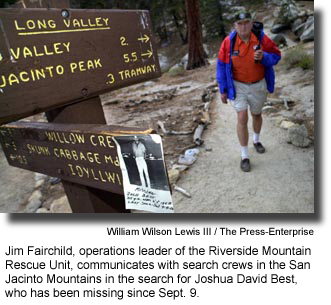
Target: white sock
(256, 137)
(244, 152)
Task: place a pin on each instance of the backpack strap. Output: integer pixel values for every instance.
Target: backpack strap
(257, 30)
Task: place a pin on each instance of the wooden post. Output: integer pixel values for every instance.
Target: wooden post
(83, 199)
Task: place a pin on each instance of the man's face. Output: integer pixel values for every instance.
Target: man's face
(243, 28)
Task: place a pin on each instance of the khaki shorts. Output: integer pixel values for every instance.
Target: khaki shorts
(254, 95)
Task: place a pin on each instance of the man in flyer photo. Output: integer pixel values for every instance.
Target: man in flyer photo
(245, 75)
(139, 151)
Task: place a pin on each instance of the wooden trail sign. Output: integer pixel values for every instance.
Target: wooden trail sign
(54, 57)
(83, 154)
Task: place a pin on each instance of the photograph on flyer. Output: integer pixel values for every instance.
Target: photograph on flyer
(183, 106)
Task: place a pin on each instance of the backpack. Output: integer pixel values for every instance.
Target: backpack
(257, 29)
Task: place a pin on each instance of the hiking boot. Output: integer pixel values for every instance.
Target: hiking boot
(245, 165)
(259, 147)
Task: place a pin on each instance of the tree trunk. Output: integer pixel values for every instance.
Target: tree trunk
(196, 56)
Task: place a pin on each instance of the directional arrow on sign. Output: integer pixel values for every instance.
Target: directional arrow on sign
(144, 39)
(149, 53)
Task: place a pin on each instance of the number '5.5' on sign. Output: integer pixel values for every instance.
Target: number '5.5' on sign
(132, 58)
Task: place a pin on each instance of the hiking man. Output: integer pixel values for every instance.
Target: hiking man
(245, 75)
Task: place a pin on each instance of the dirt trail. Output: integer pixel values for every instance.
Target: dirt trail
(281, 180)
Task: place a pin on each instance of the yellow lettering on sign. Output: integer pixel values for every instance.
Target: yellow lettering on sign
(67, 22)
(18, 28)
(37, 149)
(111, 79)
(110, 177)
(83, 24)
(85, 65)
(93, 174)
(59, 69)
(125, 74)
(72, 154)
(81, 66)
(50, 70)
(86, 23)
(12, 78)
(82, 156)
(37, 51)
(73, 138)
(20, 158)
(30, 24)
(101, 140)
(72, 170)
(109, 159)
(76, 23)
(98, 21)
(97, 63)
(57, 49)
(40, 73)
(15, 55)
(73, 67)
(39, 24)
(90, 23)
(52, 24)
(27, 52)
(22, 77)
(48, 52)
(31, 75)
(42, 24)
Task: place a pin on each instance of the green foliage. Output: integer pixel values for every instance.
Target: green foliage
(211, 17)
(252, 4)
(307, 63)
(177, 70)
(297, 57)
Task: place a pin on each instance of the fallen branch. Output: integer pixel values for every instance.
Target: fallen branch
(286, 104)
(205, 118)
(206, 106)
(181, 190)
(197, 137)
(171, 132)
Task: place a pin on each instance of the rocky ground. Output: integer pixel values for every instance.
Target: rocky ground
(281, 181)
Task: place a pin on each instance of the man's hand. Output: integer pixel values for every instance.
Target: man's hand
(224, 98)
(258, 55)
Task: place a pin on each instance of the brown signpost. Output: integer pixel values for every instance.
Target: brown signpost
(59, 61)
(82, 154)
(60, 56)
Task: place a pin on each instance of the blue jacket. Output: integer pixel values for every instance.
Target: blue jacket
(271, 56)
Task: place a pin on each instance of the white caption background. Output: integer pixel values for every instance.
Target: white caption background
(313, 285)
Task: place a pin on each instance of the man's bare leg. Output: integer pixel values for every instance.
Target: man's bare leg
(257, 122)
(242, 131)
(257, 125)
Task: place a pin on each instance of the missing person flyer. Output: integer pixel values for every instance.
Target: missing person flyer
(145, 180)
(198, 213)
